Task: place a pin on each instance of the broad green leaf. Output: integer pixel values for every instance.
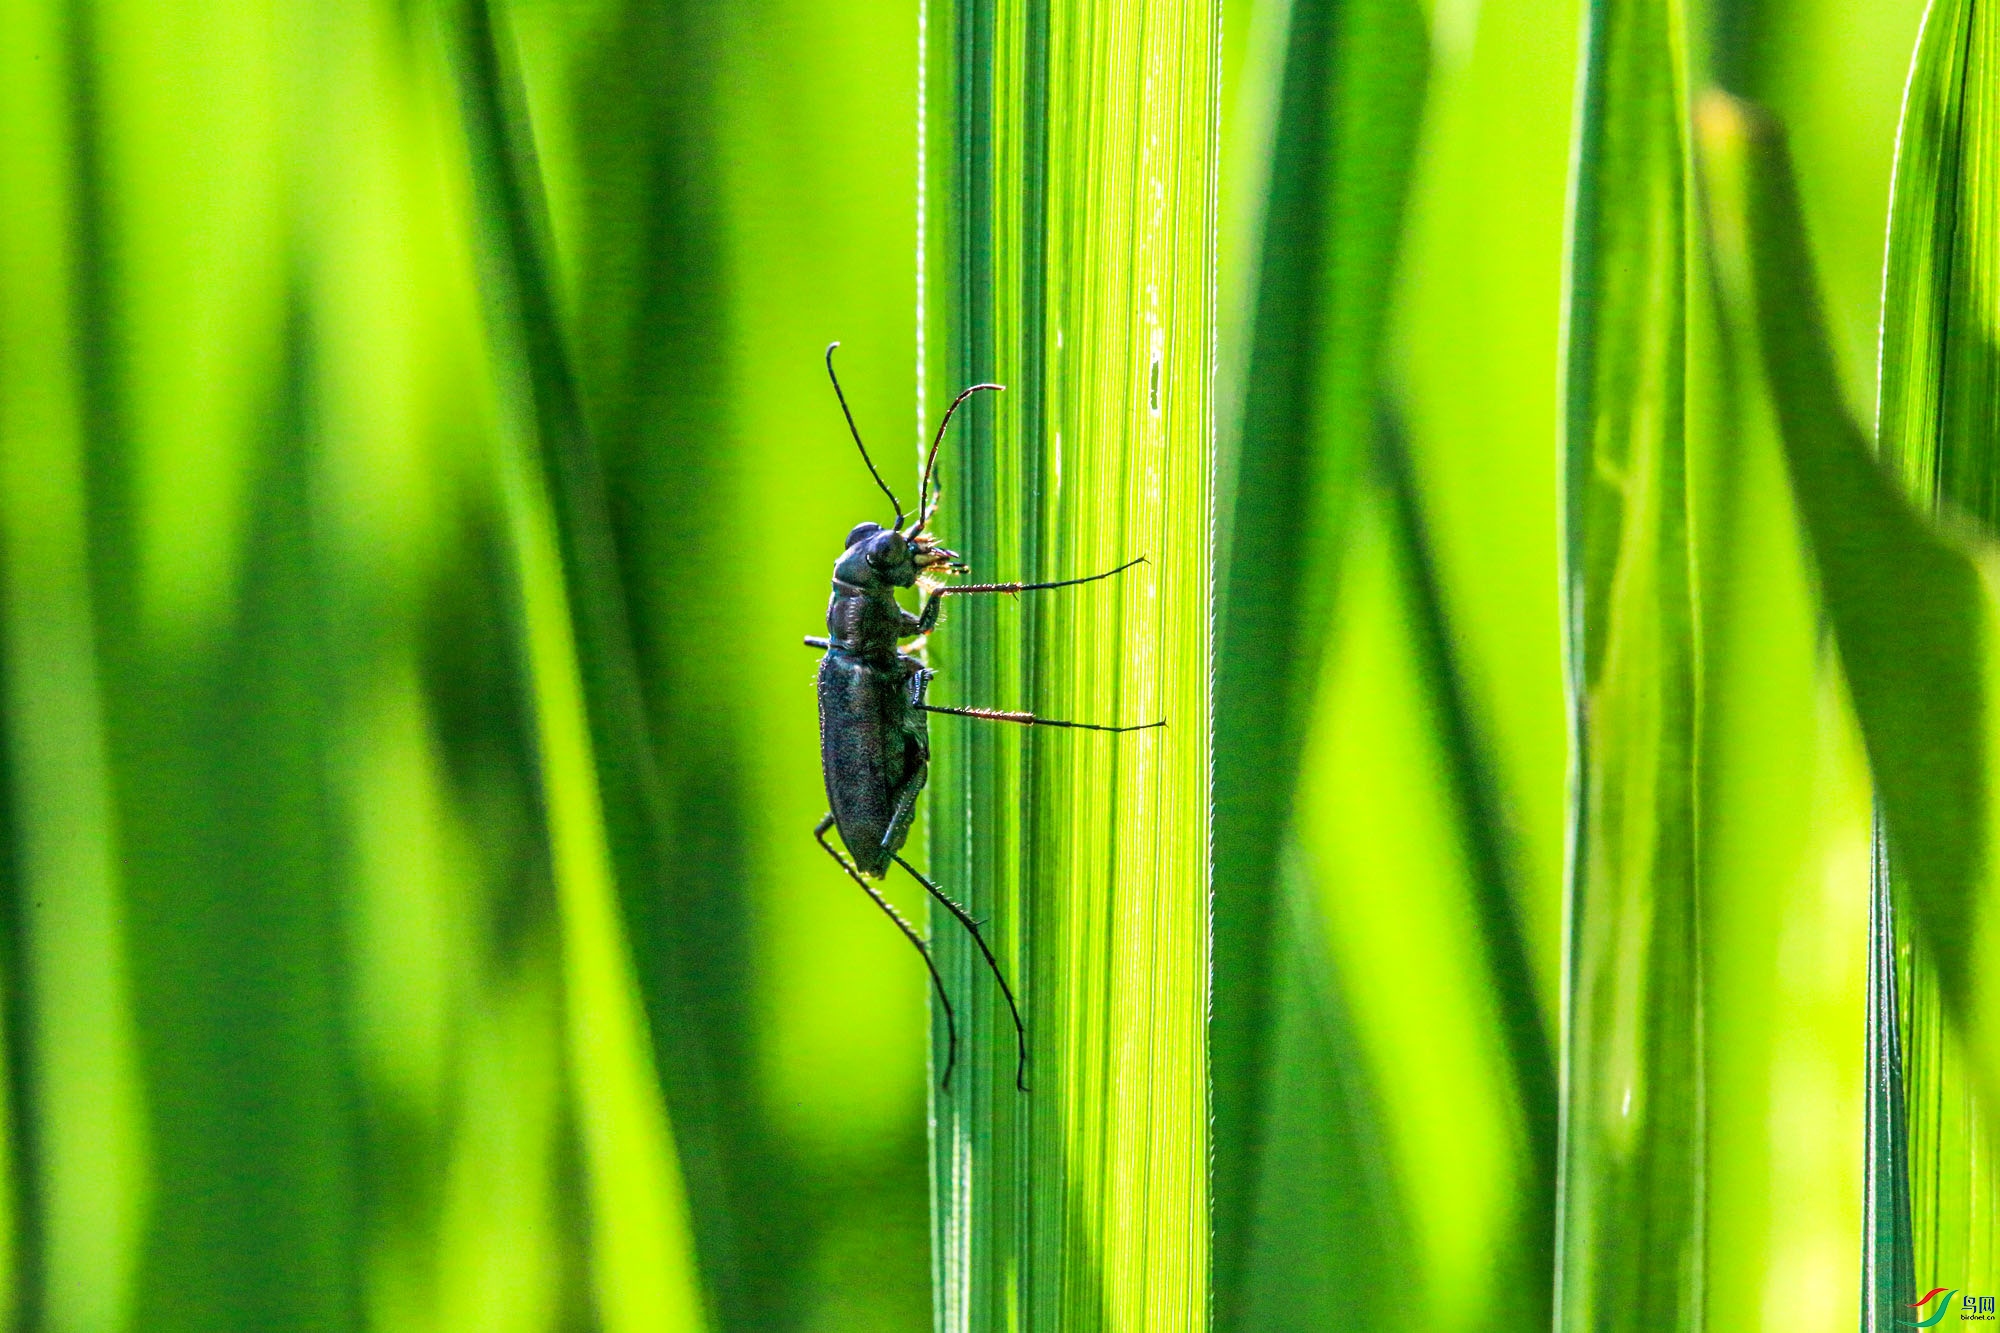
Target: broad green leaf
(1071, 257)
(600, 785)
(1630, 1216)
(1341, 140)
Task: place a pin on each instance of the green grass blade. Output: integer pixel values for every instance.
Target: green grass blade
(1341, 144)
(1888, 1256)
(1903, 599)
(644, 229)
(1938, 409)
(1937, 413)
(1077, 267)
(1935, 422)
(1479, 310)
(1379, 842)
(599, 782)
(235, 930)
(211, 1181)
(1630, 1249)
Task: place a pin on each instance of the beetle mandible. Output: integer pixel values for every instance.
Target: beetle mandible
(874, 743)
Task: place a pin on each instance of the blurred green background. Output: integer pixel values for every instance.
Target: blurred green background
(285, 1006)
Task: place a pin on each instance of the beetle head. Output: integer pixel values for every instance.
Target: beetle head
(928, 556)
(878, 556)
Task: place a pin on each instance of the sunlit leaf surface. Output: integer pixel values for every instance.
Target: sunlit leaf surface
(1072, 258)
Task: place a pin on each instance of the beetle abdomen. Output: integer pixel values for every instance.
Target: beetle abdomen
(871, 750)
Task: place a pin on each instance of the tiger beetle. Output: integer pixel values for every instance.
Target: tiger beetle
(873, 742)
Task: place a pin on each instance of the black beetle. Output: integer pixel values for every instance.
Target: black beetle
(874, 745)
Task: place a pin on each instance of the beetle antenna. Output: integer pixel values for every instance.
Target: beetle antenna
(930, 459)
(855, 431)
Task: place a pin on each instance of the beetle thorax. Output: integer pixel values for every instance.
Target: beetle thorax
(864, 621)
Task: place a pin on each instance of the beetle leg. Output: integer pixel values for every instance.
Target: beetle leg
(961, 589)
(1030, 720)
(915, 734)
(934, 604)
(910, 932)
(906, 813)
(972, 928)
(933, 608)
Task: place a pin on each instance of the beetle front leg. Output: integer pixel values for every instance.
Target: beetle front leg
(927, 620)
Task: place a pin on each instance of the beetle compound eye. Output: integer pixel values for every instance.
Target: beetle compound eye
(861, 531)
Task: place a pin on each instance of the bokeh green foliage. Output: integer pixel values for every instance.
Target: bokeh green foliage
(1323, 171)
(308, 1019)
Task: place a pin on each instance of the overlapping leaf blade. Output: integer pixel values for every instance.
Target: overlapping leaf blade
(1908, 607)
(1937, 412)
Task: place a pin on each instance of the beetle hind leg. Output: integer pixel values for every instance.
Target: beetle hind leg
(910, 933)
(972, 928)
